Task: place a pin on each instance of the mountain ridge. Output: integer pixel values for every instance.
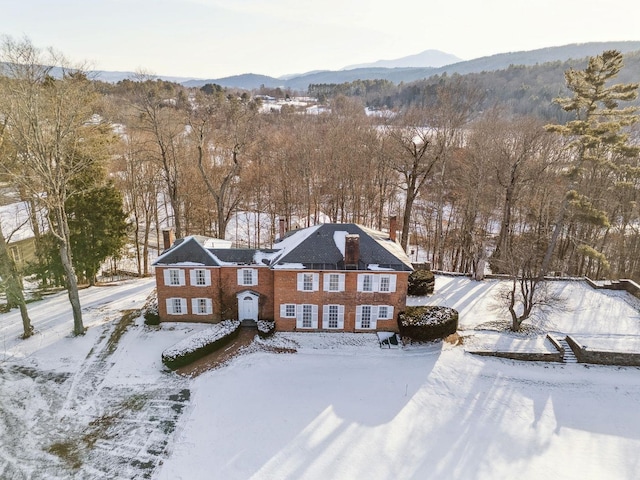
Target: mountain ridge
(250, 81)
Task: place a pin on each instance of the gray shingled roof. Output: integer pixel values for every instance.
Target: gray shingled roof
(319, 250)
(313, 248)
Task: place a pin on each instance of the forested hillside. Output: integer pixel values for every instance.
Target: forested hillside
(479, 169)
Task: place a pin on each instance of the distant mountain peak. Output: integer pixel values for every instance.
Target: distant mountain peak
(428, 58)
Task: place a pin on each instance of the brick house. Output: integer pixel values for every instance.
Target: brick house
(342, 277)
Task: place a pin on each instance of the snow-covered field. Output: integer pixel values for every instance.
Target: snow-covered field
(103, 406)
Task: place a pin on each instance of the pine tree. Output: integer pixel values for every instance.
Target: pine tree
(596, 137)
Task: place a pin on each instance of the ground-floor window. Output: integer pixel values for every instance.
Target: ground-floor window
(306, 316)
(202, 306)
(176, 306)
(333, 316)
(367, 316)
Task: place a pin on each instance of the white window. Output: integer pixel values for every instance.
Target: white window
(288, 310)
(308, 282)
(174, 277)
(368, 282)
(333, 316)
(201, 306)
(200, 277)
(385, 312)
(247, 276)
(307, 316)
(176, 306)
(364, 317)
(333, 282)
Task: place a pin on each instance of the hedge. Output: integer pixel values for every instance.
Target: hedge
(266, 328)
(421, 282)
(200, 344)
(428, 322)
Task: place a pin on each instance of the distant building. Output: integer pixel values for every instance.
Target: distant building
(341, 277)
(17, 228)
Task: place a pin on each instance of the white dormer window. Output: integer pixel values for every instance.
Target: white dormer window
(174, 277)
(247, 276)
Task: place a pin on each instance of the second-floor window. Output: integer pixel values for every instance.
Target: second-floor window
(369, 282)
(200, 277)
(247, 276)
(174, 277)
(334, 282)
(308, 282)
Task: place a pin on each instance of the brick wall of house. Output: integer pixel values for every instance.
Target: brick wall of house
(222, 292)
(286, 292)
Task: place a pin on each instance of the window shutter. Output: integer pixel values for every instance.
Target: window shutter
(169, 305)
(254, 276)
(167, 277)
(390, 310)
(325, 316)
(192, 277)
(182, 279)
(359, 316)
(325, 281)
(207, 277)
(299, 316)
(240, 277)
(392, 283)
(209, 306)
(341, 282)
(375, 282)
(360, 281)
(374, 313)
(316, 282)
(194, 306)
(341, 316)
(300, 282)
(314, 315)
(283, 310)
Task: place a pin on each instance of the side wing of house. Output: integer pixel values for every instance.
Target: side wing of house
(340, 278)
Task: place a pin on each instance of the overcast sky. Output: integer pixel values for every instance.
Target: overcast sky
(217, 38)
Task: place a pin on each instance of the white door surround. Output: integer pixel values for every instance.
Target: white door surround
(247, 305)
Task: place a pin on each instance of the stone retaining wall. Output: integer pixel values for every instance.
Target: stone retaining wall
(602, 357)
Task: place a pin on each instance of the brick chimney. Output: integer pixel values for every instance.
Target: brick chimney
(168, 237)
(393, 228)
(282, 228)
(351, 251)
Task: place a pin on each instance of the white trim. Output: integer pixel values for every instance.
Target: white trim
(326, 315)
(315, 281)
(300, 316)
(283, 310)
(254, 277)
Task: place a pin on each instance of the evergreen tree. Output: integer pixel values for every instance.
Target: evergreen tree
(597, 136)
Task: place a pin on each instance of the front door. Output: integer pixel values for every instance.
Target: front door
(247, 306)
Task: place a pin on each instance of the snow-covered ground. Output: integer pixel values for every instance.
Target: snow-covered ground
(103, 406)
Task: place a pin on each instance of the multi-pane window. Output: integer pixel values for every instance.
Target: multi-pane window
(332, 320)
(334, 282)
(308, 282)
(200, 277)
(288, 310)
(176, 306)
(247, 276)
(174, 276)
(307, 316)
(365, 318)
(201, 306)
(368, 282)
(383, 312)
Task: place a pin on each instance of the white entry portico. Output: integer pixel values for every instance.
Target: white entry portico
(247, 305)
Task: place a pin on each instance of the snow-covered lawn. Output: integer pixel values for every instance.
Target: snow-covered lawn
(102, 406)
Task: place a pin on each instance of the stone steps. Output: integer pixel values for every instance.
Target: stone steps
(569, 356)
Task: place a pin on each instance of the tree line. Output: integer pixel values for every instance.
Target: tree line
(472, 183)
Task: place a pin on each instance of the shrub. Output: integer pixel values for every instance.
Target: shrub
(428, 322)
(421, 282)
(200, 344)
(150, 314)
(266, 328)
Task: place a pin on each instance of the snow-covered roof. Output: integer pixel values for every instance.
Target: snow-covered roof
(320, 247)
(16, 223)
